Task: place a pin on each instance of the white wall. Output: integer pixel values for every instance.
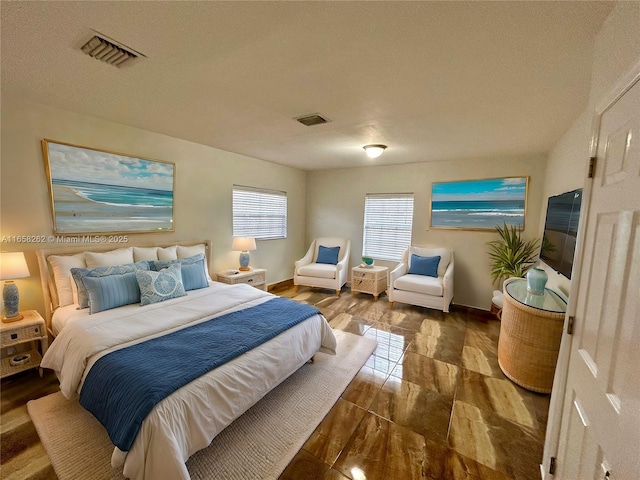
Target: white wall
(335, 207)
(566, 170)
(204, 179)
(616, 49)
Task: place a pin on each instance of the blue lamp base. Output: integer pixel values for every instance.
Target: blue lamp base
(10, 297)
(244, 261)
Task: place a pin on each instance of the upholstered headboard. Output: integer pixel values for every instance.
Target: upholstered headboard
(47, 278)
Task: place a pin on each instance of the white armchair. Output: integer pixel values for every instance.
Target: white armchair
(308, 272)
(423, 290)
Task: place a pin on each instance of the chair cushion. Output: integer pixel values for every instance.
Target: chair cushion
(419, 284)
(427, 266)
(328, 255)
(320, 270)
(445, 256)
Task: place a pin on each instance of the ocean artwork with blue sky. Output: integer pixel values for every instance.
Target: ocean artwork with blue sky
(95, 191)
(479, 204)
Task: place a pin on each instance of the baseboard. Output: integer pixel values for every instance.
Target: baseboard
(484, 314)
(283, 285)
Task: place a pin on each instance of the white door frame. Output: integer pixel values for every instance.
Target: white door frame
(552, 437)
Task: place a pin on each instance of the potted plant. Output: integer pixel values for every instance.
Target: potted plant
(510, 255)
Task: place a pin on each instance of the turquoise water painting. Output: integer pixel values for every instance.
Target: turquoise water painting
(94, 191)
(479, 204)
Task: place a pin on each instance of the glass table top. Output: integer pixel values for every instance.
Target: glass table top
(549, 301)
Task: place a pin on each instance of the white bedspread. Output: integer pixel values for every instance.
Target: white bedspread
(191, 417)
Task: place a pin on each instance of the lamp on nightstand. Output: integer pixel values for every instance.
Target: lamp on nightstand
(12, 266)
(244, 244)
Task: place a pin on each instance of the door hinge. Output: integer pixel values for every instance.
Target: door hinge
(592, 167)
(552, 465)
(570, 323)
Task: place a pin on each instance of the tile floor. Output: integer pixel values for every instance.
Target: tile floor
(431, 402)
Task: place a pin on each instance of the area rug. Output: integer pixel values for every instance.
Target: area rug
(258, 445)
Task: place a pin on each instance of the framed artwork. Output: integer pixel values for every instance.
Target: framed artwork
(96, 191)
(479, 204)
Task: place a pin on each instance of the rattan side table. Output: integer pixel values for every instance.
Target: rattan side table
(28, 330)
(530, 334)
(371, 280)
(256, 277)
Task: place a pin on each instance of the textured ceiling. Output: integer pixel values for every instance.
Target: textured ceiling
(432, 80)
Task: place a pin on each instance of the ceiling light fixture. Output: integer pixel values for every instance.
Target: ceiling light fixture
(374, 151)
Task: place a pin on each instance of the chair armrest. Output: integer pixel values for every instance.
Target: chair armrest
(307, 259)
(447, 280)
(400, 270)
(342, 264)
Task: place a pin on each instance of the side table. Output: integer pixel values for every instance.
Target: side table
(372, 280)
(256, 277)
(530, 334)
(28, 330)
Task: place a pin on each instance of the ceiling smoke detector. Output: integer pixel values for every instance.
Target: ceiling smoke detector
(108, 51)
(310, 120)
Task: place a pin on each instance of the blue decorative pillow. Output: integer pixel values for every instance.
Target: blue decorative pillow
(427, 266)
(158, 265)
(79, 273)
(160, 286)
(328, 255)
(111, 291)
(193, 276)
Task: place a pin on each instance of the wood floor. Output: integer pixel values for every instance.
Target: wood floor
(431, 402)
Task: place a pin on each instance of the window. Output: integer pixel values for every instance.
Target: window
(388, 219)
(259, 213)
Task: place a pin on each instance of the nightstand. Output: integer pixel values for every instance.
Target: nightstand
(28, 330)
(256, 277)
(371, 280)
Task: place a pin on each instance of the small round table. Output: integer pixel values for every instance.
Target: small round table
(530, 334)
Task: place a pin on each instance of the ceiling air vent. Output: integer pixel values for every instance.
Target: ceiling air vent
(108, 52)
(310, 120)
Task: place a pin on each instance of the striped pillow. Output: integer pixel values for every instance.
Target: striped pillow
(111, 291)
(80, 273)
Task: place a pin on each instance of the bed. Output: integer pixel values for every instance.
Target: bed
(190, 417)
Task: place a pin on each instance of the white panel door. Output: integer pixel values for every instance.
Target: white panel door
(600, 429)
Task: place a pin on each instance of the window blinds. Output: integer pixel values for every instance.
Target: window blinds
(388, 219)
(259, 213)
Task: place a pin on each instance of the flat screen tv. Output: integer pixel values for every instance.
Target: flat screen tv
(561, 231)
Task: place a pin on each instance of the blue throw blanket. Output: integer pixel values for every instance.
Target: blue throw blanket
(123, 386)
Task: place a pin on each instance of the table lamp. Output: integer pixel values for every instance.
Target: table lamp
(244, 244)
(12, 266)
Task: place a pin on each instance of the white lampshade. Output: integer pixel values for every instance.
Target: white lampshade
(243, 244)
(374, 151)
(13, 265)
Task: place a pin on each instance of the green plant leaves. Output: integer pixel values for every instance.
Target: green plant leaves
(511, 256)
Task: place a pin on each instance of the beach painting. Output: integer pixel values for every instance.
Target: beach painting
(96, 191)
(479, 204)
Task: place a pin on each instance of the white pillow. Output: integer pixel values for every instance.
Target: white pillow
(168, 253)
(61, 266)
(74, 289)
(145, 253)
(120, 256)
(185, 252)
